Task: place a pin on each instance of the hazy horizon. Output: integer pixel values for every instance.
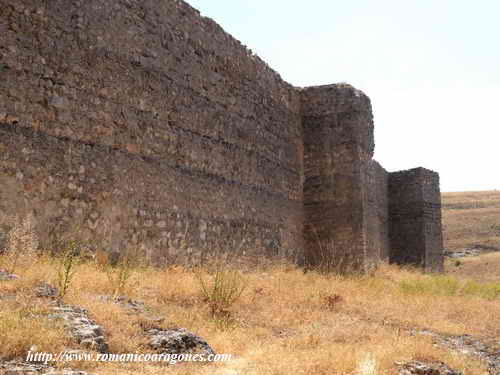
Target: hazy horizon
(430, 69)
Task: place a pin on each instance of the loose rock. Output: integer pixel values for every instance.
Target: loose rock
(421, 368)
(469, 252)
(178, 341)
(134, 307)
(27, 368)
(46, 290)
(4, 276)
(467, 344)
(85, 331)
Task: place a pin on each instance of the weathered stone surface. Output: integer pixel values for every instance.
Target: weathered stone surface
(179, 115)
(134, 307)
(22, 368)
(485, 350)
(423, 368)
(469, 252)
(178, 341)
(4, 275)
(46, 290)
(25, 368)
(66, 372)
(85, 331)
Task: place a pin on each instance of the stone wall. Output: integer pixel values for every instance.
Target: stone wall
(140, 123)
(143, 117)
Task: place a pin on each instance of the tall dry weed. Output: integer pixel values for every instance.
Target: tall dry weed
(121, 272)
(68, 262)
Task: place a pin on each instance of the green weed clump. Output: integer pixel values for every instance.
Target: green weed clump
(485, 290)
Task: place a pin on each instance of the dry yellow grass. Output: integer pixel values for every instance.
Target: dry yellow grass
(485, 268)
(24, 322)
(282, 323)
(472, 219)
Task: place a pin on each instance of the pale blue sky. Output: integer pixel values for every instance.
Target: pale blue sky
(430, 67)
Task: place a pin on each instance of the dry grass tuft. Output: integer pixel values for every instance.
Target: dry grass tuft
(24, 323)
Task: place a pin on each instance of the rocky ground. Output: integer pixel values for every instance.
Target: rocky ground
(488, 352)
(469, 252)
(91, 336)
(421, 368)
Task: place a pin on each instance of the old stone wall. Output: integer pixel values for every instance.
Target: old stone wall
(415, 219)
(139, 123)
(146, 120)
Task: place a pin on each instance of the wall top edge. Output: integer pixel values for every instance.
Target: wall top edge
(414, 171)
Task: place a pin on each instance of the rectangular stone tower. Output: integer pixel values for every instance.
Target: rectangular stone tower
(415, 219)
(338, 143)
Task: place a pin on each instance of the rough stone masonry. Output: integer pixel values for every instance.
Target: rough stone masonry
(142, 123)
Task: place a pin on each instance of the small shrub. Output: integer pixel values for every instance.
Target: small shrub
(329, 259)
(120, 272)
(332, 301)
(224, 322)
(67, 266)
(225, 289)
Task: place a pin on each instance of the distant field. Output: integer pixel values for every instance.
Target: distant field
(471, 219)
(484, 268)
